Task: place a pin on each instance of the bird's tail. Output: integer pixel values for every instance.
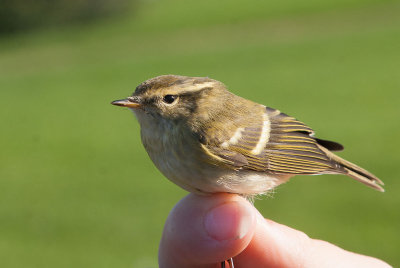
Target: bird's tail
(356, 172)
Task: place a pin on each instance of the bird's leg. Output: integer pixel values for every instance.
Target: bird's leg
(230, 263)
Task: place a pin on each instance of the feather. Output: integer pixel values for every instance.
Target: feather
(288, 148)
(330, 145)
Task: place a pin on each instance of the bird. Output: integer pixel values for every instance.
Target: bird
(208, 140)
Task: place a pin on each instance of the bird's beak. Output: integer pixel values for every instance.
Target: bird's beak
(130, 102)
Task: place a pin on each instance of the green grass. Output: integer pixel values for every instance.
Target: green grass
(78, 190)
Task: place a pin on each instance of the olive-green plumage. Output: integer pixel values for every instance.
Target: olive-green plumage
(206, 139)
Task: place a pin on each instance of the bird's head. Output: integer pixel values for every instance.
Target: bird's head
(174, 97)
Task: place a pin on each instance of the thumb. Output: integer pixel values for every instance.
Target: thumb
(277, 245)
(203, 231)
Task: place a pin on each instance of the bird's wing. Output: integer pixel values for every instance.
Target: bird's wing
(293, 149)
(276, 143)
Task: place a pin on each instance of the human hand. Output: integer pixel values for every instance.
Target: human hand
(202, 231)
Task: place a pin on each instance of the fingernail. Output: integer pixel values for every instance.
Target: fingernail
(229, 221)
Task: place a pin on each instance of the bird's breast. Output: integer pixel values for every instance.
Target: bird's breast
(178, 154)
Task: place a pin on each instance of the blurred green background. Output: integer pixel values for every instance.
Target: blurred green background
(76, 186)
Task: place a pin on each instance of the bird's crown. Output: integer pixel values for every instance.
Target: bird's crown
(175, 84)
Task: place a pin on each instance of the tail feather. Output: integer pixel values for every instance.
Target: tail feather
(355, 171)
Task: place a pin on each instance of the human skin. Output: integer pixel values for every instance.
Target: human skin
(201, 231)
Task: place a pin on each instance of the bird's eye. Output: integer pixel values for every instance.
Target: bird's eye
(169, 98)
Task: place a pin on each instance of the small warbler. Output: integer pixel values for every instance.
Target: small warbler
(207, 140)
